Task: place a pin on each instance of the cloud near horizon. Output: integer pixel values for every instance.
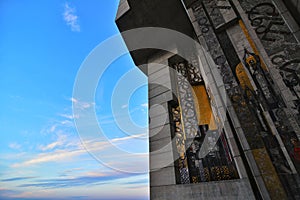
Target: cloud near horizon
(77, 181)
(17, 179)
(67, 154)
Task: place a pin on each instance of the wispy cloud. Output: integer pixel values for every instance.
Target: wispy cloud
(73, 149)
(49, 128)
(81, 104)
(143, 181)
(69, 116)
(145, 105)
(17, 179)
(71, 18)
(95, 178)
(15, 146)
(73, 100)
(70, 171)
(137, 136)
(61, 154)
(61, 140)
(55, 156)
(124, 106)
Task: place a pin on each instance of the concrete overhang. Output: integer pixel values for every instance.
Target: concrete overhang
(170, 14)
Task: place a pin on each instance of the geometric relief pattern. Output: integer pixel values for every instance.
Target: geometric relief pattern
(186, 100)
(218, 163)
(180, 145)
(188, 118)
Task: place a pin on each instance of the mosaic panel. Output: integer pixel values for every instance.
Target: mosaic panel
(250, 103)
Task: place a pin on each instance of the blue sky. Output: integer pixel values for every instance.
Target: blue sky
(42, 46)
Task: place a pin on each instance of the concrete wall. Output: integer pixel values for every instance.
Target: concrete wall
(236, 189)
(162, 170)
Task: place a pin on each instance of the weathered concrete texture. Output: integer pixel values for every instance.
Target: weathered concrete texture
(160, 133)
(163, 176)
(236, 189)
(159, 160)
(162, 145)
